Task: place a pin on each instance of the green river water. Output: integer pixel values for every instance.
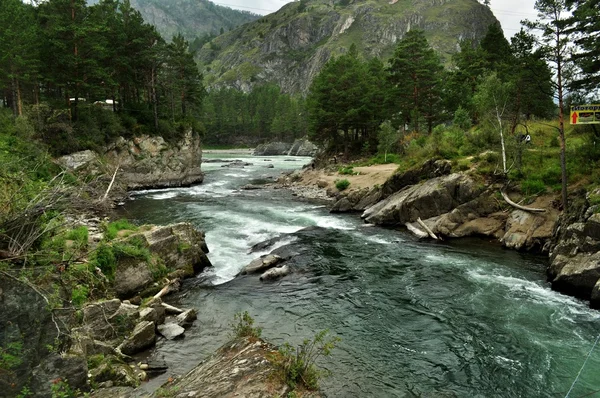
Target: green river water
(417, 319)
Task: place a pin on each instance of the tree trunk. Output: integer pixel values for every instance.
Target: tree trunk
(561, 123)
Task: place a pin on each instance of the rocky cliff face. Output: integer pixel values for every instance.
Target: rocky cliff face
(291, 46)
(299, 147)
(144, 162)
(192, 18)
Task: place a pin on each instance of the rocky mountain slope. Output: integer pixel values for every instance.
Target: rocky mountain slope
(291, 46)
(193, 18)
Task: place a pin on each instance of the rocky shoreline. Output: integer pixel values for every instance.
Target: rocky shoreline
(433, 200)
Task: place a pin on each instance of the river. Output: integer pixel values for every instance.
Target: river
(417, 319)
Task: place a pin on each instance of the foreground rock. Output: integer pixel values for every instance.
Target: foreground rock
(144, 162)
(239, 369)
(262, 264)
(575, 257)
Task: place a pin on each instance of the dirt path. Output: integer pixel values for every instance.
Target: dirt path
(368, 177)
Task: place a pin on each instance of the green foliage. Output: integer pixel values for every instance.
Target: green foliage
(10, 356)
(532, 187)
(347, 170)
(298, 365)
(79, 295)
(112, 229)
(94, 360)
(462, 119)
(243, 326)
(342, 184)
(60, 389)
(105, 259)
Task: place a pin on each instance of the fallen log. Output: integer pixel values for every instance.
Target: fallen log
(416, 231)
(517, 206)
(426, 228)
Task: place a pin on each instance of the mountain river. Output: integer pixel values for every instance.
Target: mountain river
(417, 319)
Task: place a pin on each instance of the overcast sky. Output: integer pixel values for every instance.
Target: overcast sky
(509, 12)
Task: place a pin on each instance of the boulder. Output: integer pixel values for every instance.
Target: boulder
(239, 369)
(429, 199)
(275, 273)
(70, 368)
(96, 319)
(149, 314)
(171, 331)
(595, 297)
(303, 147)
(261, 264)
(131, 277)
(272, 149)
(186, 318)
(77, 160)
(430, 169)
(141, 338)
(576, 275)
(529, 231)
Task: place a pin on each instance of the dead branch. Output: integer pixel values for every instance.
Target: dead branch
(111, 184)
(517, 206)
(426, 228)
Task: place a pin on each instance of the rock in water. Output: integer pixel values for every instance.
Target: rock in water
(262, 264)
(275, 273)
(171, 331)
(141, 338)
(186, 318)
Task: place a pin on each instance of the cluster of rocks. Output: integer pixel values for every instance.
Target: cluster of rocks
(113, 330)
(300, 147)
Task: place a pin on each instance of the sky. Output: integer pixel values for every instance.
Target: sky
(508, 12)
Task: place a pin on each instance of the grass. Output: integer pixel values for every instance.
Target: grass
(342, 185)
(112, 229)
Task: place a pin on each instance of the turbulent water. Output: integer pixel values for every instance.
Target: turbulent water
(417, 319)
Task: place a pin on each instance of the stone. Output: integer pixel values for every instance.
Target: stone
(595, 296)
(57, 366)
(131, 277)
(238, 369)
(261, 264)
(96, 319)
(186, 318)
(425, 200)
(113, 370)
(141, 338)
(171, 331)
(272, 149)
(77, 160)
(275, 273)
(148, 314)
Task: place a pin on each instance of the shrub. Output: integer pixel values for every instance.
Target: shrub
(105, 259)
(79, 295)
(243, 326)
(342, 184)
(79, 235)
(347, 170)
(298, 366)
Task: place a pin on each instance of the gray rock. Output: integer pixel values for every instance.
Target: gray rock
(261, 264)
(429, 199)
(141, 338)
(275, 273)
(148, 314)
(272, 149)
(70, 367)
(239, 369)
(595, 297)
(131, 277)
(186, 318)
(77, 160)
(113, 370)
(171, 331)
(96, 319)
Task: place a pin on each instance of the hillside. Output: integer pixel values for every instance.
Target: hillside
(290, 47)
(193, 18)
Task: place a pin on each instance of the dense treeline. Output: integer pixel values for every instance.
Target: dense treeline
(87, 74)
(351, 97)
(233, 117)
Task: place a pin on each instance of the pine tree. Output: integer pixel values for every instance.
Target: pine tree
(586, 29)
(415, 72)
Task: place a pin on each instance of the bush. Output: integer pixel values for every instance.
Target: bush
(347, 170)
(243, 326)
(342, 184)
(105, 259)
(298, 366)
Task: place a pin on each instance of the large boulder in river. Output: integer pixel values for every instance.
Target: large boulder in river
(303, 147)
(272, 149)
(262, 264)
(425, 200)
(241, 368)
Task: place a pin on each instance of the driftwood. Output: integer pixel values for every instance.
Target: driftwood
(171, 285)
(426, 228)
(416, 231)
(111, 184)
(171, 309)
(517, 206)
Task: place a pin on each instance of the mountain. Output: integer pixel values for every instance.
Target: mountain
(193, 18)
(291, 46)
